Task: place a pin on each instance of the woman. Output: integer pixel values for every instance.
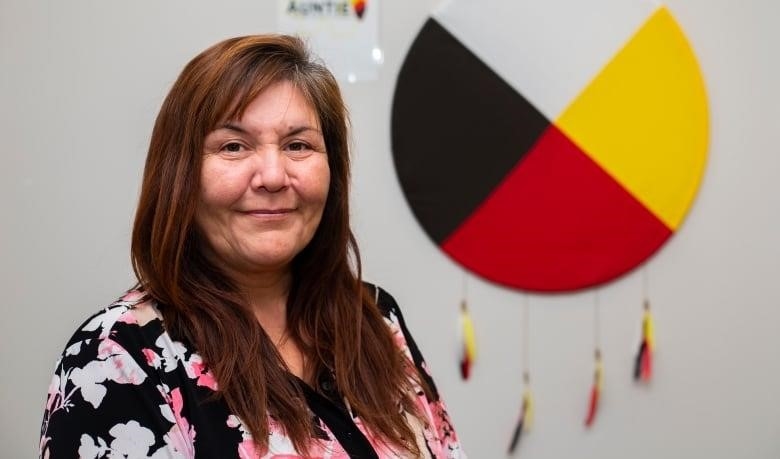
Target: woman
(250, 333)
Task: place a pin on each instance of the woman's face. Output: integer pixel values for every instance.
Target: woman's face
(264, 182)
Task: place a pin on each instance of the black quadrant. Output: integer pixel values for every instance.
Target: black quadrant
(457, 130)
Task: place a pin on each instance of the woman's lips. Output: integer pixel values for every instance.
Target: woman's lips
(268, 214)
(269, 211)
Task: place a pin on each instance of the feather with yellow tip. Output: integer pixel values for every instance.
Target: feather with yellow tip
(469, 343)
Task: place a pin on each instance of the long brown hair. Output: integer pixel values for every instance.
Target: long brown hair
(329, 313)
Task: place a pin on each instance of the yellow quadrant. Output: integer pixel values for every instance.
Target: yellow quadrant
(643, 119)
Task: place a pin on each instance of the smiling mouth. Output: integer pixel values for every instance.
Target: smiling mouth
(268, 213)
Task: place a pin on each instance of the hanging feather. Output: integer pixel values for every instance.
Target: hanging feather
(595, 392)
(526, 419)
(640, 357)
(469, 344)
(643, 365)
(528, 409)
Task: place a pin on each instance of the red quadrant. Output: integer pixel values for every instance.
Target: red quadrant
(556, 222)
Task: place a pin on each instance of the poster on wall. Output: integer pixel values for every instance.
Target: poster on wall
(344, 34)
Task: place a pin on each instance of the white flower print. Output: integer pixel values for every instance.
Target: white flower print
(234, 422)
(91, 450)
(105, 320)
(172, 351)
(89, 380)
(75, 348)
(114, 364)
(56, 400)
(157, 414)
(130, 440)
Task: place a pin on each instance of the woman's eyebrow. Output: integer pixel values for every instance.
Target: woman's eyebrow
(233, 127)
(292, 131)
(298, 129)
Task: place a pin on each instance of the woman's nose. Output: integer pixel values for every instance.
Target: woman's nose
(270, 170)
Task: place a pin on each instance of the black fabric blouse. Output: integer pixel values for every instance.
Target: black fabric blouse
(124, 388)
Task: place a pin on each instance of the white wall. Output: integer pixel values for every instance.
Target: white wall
(80, 84)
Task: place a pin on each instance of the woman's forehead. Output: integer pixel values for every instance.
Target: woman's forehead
(236, 109)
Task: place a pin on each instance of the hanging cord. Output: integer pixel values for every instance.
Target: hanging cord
(464, 286)
(526, 418)
(526, 338)
(596, 321)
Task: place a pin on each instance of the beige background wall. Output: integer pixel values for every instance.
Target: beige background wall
(80, 84)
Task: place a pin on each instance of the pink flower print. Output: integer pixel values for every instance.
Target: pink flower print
(181, 437)
(430, 430)
(128, 318)
(43, 451)
(114, 364)
(119, 365)
(275, 427)
(152, 358)
(247, 450)
(297, 456)
(438, 432)
(319, 450)
(54, 391)
(234, 422)
(133, 296)
(207, 379)
(197, 369)
(144, 313)
(398, 335)
(442, 420)
(178, 404)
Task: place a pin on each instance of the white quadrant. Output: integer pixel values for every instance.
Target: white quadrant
(548, 50)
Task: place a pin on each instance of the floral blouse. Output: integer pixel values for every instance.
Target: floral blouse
(123, 388)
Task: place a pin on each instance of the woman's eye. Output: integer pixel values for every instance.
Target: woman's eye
(232, 147)
(298, 146)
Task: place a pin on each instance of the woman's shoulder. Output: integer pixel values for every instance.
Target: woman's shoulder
(121, 332)
(131, 309)
(386, 303)
(129, 336)
(121, 376)
(395, 321)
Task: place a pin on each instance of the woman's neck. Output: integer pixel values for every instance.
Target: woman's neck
(267, 294)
